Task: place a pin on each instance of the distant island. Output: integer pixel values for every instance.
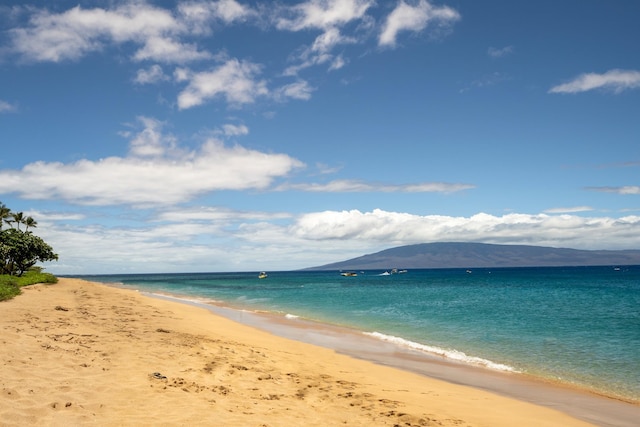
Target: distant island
(482, 255)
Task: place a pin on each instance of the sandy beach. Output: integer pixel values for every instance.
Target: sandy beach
(79, 353)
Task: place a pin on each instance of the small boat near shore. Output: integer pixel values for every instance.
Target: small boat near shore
(348, 273)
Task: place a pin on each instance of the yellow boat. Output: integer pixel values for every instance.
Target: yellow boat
(349, 274)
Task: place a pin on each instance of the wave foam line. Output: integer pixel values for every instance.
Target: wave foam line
(449, 354)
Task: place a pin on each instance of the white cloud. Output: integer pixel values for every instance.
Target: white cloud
(235, 130)
(569, 210)
(337, 63)
(235, 80)
(328, 40)
(320, 52)
(297, 90)
(157, 172)
(495, 52)
(322, 14)
(76, 32)
(627, 189)
(325, 169)
(182, 74)
(207, 213)
(151, 142)
(222, 239)
(351, 186)
(403, 228)
(414, 18)
(5, 107)
(614, 80)
(199, 13)
(167, 50)
(153, 74)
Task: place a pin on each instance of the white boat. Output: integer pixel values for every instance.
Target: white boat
(262, 275)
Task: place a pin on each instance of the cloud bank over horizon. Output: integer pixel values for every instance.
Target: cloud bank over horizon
(328, 236)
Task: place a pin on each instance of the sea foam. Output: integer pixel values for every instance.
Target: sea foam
(456, 355)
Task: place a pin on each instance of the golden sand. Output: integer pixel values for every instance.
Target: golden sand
(79, 353)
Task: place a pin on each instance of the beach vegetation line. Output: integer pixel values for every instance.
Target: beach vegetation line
(10, 285)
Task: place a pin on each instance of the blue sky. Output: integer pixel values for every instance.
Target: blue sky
(224, 135)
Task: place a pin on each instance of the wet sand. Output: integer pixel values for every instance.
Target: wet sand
(80, 353)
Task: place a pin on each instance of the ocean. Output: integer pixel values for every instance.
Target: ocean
(574, 325)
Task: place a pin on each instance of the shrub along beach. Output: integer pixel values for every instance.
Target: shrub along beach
(20, 250)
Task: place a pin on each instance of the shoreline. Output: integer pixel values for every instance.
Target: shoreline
(570, 351)
(87, 353)
(573, 400)
(326, 335)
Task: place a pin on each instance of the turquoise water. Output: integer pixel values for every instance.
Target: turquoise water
(579, 325)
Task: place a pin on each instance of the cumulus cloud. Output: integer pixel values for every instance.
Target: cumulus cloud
(235, 80)
(322, 14)
(225, 239)
(78, 31)
(404, 228)
(172, 36)
(320, 50)
(153, 74)
(352, 186)
(167, 50)
(614, 80)
(199, 13)
(416, 18)
(156, 172)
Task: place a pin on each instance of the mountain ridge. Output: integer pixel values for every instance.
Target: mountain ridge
(482, 255)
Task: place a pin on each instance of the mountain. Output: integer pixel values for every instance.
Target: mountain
(470, 255)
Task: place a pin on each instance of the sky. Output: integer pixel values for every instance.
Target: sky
(203, 136)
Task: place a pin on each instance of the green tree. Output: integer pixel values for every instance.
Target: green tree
(18, 218)
(29, 222)
(20, 250)
(5, 213)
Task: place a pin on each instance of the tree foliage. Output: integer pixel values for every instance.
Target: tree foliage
(20, 249)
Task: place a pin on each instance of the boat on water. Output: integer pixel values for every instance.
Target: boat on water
(262, 275)
(348, 273)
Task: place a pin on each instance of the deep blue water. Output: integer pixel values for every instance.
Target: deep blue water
(579, 325)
